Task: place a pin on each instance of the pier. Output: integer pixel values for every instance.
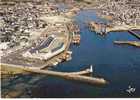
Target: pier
(74, 76)
(76, 38)
(134, 34)
(133, 43)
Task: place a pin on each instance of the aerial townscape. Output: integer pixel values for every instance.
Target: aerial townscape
(48, 46)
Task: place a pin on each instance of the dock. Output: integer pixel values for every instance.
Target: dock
(75, 30)
(134, 34)
(76, 38)
(133, 43)
(73, 76)
(99, 28)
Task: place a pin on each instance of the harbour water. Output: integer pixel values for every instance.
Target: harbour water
(118, 64)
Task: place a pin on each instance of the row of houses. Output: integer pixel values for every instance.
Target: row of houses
(122, 11)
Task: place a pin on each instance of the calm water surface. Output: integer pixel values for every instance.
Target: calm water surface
(120, 65)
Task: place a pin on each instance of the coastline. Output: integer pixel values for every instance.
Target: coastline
(97, 27)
